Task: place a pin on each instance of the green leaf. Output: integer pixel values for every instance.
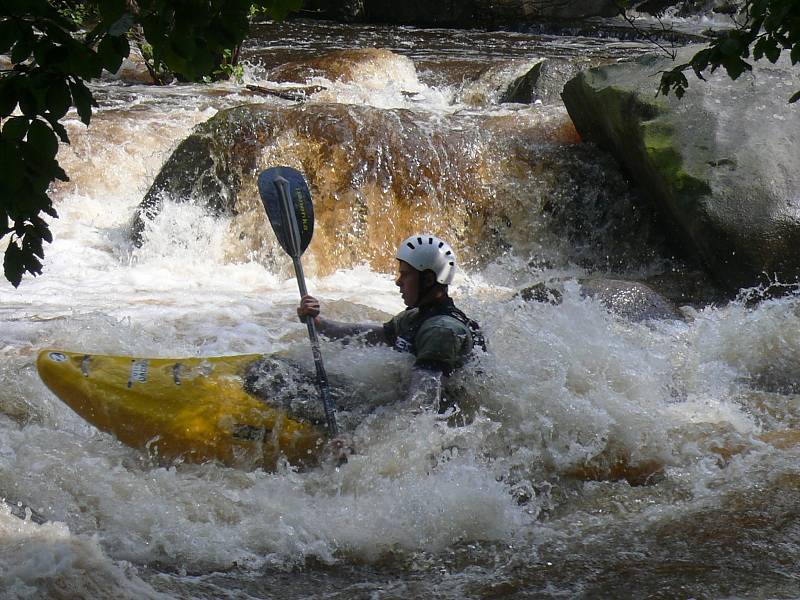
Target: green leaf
(111, 10)
(42, 228)
(39, 167)
(13, 263)
(184, 45)
(778, 13)
(29, 101)
(58, 99)
(58, 31)
(23, 47)
(763, 47)
(32, 245)
(735, 67)
(43, 139)
(59, 173)
(673, 80)
(122, 25)
(44, 52)
(83, 100)
(111, 51)
(730, 47)
(773, 53)
(8, 95)
(60, 130)
(795, 97)
(16, 128)
(52, 211)
(12, 164)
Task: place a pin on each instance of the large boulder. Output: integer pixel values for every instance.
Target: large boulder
(721, 165)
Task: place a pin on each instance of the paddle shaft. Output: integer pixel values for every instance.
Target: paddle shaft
(293, 240)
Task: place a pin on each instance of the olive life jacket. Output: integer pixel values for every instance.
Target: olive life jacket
(405, 342)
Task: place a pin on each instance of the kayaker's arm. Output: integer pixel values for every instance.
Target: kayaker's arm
(424, 388)
(372, 333)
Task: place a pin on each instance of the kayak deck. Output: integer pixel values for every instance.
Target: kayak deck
(194, 409)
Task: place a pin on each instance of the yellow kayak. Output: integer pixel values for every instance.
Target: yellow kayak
(195, 409)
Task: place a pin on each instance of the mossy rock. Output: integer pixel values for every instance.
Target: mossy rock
(720, 165)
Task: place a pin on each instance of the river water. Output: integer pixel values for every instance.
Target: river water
(606, 458)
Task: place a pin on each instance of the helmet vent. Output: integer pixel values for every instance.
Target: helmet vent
(427, 252)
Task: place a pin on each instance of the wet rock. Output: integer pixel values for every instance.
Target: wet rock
(719, 165)
(544, 82)
(541, 292)
(370, 177)
(346, 66)
(134, 69)
(630, 300)
(199, 168)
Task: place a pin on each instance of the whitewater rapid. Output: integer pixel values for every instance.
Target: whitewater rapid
(598, 446)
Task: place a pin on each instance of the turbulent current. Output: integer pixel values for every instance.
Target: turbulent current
(605, 457)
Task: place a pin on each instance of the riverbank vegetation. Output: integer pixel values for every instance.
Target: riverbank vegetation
(762, 29)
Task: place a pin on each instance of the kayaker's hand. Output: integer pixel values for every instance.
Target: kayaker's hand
(309, 307)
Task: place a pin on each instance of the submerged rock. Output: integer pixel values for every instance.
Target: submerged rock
(630, 300)
(721, 165)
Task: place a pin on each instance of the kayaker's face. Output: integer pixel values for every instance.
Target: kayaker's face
(408, 282)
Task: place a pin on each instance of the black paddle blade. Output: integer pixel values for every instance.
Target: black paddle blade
(270, 185)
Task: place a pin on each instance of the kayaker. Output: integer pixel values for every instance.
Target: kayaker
(439, 335)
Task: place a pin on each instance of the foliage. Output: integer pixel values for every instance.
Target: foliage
(53, 58)
(77, 11)
(229, 67)
(768, 28)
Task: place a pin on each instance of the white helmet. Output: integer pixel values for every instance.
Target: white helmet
(427, 252)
